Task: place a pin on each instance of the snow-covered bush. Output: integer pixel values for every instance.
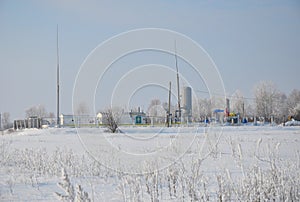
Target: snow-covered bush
(256, 173)
(131, 187)
(67, 186)
(81, 195)
(78, 195)
(4, 152)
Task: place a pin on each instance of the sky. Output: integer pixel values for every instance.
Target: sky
(249, 41)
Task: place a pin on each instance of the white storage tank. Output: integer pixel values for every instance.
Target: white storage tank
(187, 100)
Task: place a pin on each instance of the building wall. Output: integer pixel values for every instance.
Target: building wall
(67, 120)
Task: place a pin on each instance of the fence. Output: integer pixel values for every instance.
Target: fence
(32, 122)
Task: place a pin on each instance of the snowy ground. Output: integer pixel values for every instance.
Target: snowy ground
(152, 164)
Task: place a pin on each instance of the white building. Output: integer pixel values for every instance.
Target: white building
(72, 120)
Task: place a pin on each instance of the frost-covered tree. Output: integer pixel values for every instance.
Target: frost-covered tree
(196, 109)
(51, 115)
(38, 110)
(281, 107)
(82, 109)
(165, 106)
(237, 102)
(293, 104)
(156, 111)
(267, 99)
(296, 113)
(5, 118)
(217, 102)
(249, 110)
(202, 108)
(155, 108)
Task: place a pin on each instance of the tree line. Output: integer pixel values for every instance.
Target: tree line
(268, 102)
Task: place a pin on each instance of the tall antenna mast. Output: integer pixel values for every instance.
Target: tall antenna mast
(169, 107)
(57, 79)
(178, 90)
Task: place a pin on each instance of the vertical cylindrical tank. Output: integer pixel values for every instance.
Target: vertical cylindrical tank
(187, 100)
(227, 107)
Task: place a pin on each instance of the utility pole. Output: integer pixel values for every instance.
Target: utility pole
(178, 89)
(0, 122)
(243, 106)
(57, 79)
(169, 107)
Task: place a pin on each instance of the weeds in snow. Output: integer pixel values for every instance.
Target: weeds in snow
(267, 178)
(71, 194)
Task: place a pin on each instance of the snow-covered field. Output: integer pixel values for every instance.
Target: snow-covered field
(151, 164)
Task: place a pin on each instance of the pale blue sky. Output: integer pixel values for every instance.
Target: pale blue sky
(248, 40)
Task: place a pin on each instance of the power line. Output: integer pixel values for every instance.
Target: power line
(229, 96)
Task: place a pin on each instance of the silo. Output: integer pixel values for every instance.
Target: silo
(227, 107)
(187, 100)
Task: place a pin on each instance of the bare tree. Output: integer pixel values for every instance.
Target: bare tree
(111, 118)
(38, 110)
